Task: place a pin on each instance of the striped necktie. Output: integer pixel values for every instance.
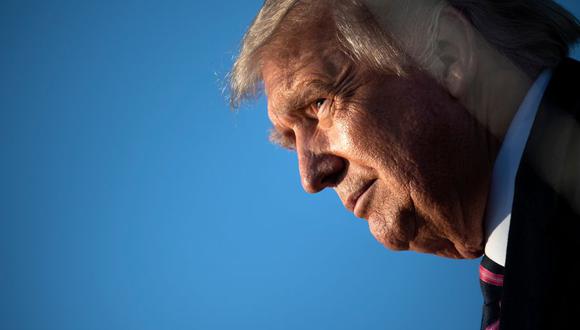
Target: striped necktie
(491, 281)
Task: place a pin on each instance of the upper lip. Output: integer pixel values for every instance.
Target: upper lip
(352, 198)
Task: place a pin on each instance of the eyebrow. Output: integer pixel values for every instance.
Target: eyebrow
(307, 93)
(281, 139)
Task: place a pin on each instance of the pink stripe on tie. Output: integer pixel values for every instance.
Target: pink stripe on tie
(489, 277)
(493, 326)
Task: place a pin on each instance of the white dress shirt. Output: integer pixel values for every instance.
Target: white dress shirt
(501, 195)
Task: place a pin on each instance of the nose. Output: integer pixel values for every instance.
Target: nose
(319, 170)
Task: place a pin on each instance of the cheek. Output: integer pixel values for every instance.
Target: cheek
(378, 136)
(343, 137)
(392, 222)
(426, 148)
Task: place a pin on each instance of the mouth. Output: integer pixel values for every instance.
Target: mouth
(357, 202)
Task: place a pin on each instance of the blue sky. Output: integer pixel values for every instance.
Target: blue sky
(132, 198)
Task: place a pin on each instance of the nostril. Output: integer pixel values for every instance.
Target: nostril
(332, 179)
(336, 169)
(319, 171)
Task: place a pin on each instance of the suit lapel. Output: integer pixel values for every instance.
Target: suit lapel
(541, 289)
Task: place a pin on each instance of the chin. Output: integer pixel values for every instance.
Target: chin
(402, 230)
(393, 237)
(389, 242)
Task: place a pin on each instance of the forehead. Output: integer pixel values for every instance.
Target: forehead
(297, 80)
(304, 48)
(293, 72)
(288, 73)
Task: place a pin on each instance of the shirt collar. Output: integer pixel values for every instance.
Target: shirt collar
(503, 177)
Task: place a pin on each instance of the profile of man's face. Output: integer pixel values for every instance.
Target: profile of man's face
(400, 152)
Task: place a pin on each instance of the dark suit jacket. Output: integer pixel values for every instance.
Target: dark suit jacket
(542, 280)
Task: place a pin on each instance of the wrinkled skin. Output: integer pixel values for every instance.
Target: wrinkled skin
(415, 156)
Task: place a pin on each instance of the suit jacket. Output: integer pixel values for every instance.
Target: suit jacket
(542, 281)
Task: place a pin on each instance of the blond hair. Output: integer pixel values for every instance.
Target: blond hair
(533, 34)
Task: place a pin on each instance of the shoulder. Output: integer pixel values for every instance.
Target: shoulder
(553, 149)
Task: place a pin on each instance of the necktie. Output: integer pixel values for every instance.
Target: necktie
(491, 281)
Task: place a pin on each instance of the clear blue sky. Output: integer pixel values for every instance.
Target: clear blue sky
(132, 198)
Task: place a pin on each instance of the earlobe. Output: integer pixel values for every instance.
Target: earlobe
(455, 44)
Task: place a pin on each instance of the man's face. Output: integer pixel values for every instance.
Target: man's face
(400, 152)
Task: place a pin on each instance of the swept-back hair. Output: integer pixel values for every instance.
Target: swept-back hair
(360, 36)
(533, 34)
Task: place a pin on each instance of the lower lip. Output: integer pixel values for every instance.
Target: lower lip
(362, 202)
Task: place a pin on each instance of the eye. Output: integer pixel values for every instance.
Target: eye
(319, 109)
(319, 103)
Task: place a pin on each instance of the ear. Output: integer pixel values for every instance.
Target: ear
(456, 51)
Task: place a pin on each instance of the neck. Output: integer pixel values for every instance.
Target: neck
(496, 96)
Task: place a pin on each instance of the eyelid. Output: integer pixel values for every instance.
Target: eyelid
(313, 110)
(324, 107)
